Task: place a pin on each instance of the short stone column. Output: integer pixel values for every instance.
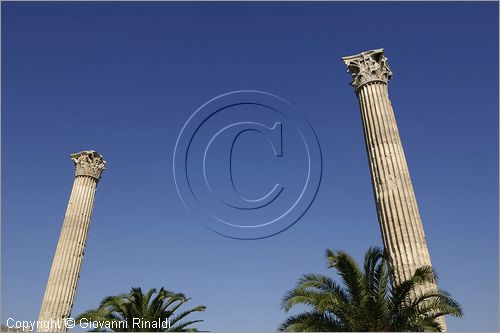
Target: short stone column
(63, 279)
(398, 215)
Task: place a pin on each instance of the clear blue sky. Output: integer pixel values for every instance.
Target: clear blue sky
(122, 78)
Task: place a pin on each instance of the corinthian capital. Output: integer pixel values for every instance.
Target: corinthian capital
(89, 163)
(367, 67)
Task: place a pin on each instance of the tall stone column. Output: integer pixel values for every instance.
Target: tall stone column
(398, 215)
(65, 271)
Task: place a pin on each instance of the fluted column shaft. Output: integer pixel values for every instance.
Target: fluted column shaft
(65, 271)
(402, 230)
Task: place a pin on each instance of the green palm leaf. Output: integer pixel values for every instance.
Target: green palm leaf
(366, 300)
(156, 305)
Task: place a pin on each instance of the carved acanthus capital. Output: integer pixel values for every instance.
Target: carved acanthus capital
(367, 67)
(89, 163)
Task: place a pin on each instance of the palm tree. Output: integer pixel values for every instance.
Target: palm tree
(124, 308)
(368, 300)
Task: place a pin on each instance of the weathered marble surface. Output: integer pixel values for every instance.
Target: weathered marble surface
(398, 215)
(65, 271)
